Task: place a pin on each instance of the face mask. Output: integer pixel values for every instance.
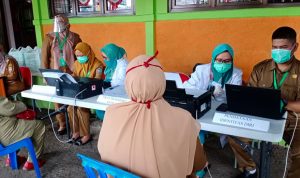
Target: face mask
(281, 55)
(82, 59)
(222, 67)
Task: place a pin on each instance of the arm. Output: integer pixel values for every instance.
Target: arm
(237, 77)
(46, 53)
(253, 80)
(293, 106)
(119, 74)
(10, 108)
(199, 79)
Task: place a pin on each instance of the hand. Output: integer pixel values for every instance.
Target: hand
(218, 89)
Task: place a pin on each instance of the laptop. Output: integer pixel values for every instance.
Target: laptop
(255, 101)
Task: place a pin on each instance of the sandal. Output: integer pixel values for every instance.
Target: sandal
(80, 143)
(73, 140)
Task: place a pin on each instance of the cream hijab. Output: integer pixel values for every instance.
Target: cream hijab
(148, 137)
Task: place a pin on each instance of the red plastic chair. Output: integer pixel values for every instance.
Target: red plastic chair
(27, 76)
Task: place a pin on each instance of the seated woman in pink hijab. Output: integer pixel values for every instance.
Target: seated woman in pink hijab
(147, 136)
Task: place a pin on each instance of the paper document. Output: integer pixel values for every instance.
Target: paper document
(61, 76)
(44, 89)
(175, 77)
(113, 95)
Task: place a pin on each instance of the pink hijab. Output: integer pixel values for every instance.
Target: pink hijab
(148, 136)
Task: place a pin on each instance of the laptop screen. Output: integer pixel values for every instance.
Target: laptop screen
(255, 101)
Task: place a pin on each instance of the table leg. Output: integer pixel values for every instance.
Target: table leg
(265, 159)
(67, 124)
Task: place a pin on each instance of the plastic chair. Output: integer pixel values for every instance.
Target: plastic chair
(27, 78)
(103, 169)
(2, 87)
(12, 149)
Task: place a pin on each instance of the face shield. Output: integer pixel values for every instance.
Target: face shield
(60, 23)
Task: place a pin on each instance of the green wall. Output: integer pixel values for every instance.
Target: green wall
(150, 11)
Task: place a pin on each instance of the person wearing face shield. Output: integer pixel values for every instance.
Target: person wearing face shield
(115, 68)
(57, 53)
(281, 72)
(86, 65)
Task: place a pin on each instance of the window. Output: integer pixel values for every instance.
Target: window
(91, 7)
(190, 5)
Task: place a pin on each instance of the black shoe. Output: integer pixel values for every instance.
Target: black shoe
(62, 132)
(247, 174)
(73, 140)
(80, 143)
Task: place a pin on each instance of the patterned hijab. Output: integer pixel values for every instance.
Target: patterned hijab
(148, 136)
(113, 53)
(221, 78)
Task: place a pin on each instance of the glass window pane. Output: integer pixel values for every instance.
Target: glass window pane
(115, 5)
(190, 2)
(62, 7)
(89, 5)
(237, 1)
(283, 1)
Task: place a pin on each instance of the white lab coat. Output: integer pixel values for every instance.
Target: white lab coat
(201, 78)
(118, 77)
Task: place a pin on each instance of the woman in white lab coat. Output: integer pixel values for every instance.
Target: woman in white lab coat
(114, 59)
(217, 73)
(115, 69)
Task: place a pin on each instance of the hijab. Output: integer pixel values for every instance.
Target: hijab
(221, 78)
(89, 68)
(113, 53)
(148, 136)
(2, 63)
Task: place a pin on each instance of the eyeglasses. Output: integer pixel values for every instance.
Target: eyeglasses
(219, 60)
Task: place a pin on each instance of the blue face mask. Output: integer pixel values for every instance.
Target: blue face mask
(281, 55)
(222, 67)
(82, 59)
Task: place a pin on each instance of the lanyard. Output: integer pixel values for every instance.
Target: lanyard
(276, 86)
(62, 43)
(86, 74)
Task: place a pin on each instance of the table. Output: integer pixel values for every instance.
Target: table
(274, 134)
(86, 103)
